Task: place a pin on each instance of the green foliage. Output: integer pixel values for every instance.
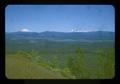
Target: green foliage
(76, 64)
(55, 62)
(106, 63)
(97, 60)
(104, 67)
(34, 55)
(67, 73)
(24, 54)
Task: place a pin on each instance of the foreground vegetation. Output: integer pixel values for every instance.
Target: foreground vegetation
(32, 65)
(18, 67)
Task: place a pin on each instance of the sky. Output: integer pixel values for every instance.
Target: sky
(60, 18)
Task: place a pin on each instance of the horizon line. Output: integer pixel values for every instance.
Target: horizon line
(61, 31)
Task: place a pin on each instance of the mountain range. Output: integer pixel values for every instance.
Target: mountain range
(95, 35)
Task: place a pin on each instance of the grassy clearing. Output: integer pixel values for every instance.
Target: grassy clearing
(18, 67)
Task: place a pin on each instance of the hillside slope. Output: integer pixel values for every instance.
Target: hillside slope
(18, 67)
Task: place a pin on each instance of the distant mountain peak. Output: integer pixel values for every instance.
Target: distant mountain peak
(25, 30)
(76, 30)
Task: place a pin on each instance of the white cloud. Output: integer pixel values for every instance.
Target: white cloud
(83, 30)
(25, 30)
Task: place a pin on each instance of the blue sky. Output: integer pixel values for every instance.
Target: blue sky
(61, 18)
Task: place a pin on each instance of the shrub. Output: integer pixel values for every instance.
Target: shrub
(76, 64)
(106, 63)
